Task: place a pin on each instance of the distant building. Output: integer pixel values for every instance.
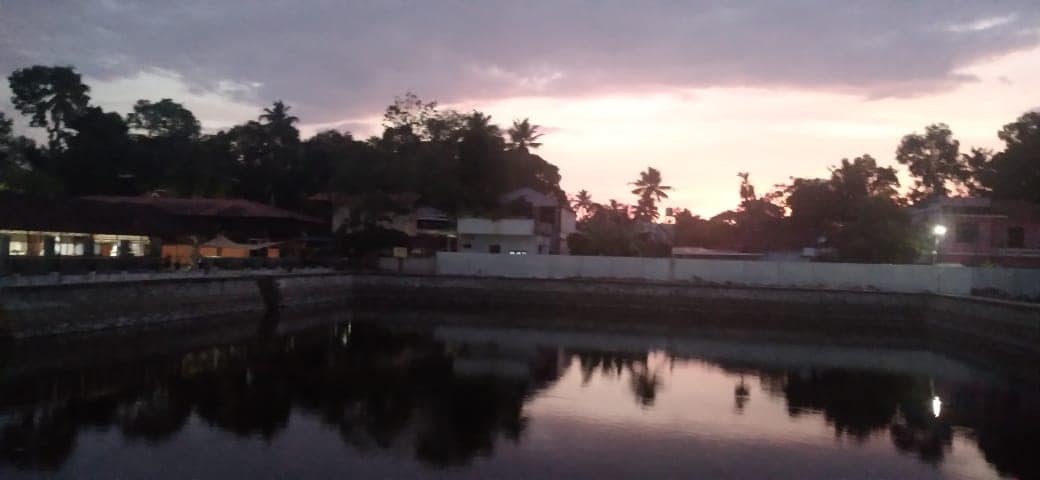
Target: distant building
(429, 230)
(32, 226)
(982, 231)
(527, 222)
(178, 229)
(532, 223)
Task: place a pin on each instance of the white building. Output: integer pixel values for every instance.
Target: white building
(542, 230)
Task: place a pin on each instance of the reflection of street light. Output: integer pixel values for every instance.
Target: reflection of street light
(936, 406)
(938, 231)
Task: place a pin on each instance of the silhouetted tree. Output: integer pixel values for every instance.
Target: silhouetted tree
(934, 160)
(756, 224)
(163, 119)
(6, 160)
(1014, 173)
(267, 153)
(582, 202)
(650, 191)
(51, 96)
(523, 135)
(409, 113)
(167, 139)
(480, 163)
(857, 211)
(100, 157)
(280, 125)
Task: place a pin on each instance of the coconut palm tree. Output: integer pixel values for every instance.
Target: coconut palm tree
(279, 123)
(649, 185)
(650, 191)
(523, 135)
(583, 202)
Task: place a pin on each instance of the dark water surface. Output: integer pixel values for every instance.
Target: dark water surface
(390, 400)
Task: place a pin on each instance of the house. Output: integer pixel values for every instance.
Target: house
(981, 231)
(429, 230)
(527, 222)
(178, 229)
(531, 222)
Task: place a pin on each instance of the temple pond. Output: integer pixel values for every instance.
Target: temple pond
(349, 398)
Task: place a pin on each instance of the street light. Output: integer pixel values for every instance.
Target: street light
(938, 231)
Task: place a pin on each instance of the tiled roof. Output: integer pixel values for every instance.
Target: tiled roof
(64, 214)
(209, 207)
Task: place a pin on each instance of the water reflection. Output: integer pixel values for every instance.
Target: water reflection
(859, 404)
(741, 396)
(449, 401)
(643, 381)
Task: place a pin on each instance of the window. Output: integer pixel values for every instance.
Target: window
(19, 244)
(1016, 237)
(967, 232)
(467, 245)
(495, 248)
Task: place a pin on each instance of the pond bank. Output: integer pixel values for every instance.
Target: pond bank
(993, 329)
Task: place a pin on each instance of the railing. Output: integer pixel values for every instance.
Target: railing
(1017, 252)
(504, 226)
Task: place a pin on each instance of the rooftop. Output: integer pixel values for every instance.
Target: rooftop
(208, 207)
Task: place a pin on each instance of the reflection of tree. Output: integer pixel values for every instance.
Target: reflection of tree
(861, 403)
(464, 418)
(376, 389)
(643, 381)
(1003, 422)
(609, 364)
(383, 390)
(855, 403)
(1005, 426)
(155, 416)
(741, 396)
(38, 439)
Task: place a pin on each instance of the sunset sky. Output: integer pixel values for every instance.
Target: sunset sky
(698, 90)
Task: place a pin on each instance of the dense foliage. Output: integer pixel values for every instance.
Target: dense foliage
(857, 214)
(451, 160)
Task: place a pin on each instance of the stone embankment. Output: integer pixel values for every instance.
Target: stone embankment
(995, 327)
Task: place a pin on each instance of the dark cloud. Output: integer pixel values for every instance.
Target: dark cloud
(333, 60)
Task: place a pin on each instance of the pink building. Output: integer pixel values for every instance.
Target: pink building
(982, 231)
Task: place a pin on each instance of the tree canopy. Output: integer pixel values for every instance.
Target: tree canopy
(163, 119)
(454, 161)
(934, 160)
(650, 191)
(1013, 173)
(52, 97)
